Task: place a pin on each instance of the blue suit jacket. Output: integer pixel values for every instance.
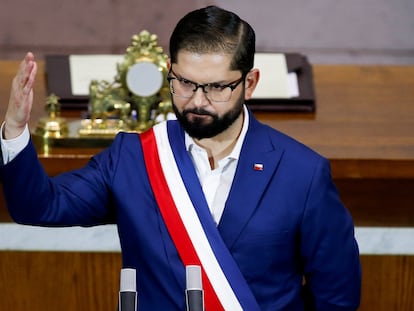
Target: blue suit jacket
(283, 224)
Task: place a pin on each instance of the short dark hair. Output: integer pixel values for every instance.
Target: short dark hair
(212, 29)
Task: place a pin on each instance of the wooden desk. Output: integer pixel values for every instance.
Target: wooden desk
(364, 124)
(364, 121)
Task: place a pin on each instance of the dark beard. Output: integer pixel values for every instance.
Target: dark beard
(199, 129)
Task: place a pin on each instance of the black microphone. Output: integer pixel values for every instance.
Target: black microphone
(128, 297)
(194, 293)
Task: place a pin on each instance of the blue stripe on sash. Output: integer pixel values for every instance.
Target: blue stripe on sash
(222, 253)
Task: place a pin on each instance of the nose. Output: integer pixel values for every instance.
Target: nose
(199, 97)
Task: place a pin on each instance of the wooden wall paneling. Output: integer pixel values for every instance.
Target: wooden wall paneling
(387, 283)
(76, 281)
(67, 281)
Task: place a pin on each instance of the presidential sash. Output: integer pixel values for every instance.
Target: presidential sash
(190, 225)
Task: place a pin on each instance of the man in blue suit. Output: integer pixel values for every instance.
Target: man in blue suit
(257, 210)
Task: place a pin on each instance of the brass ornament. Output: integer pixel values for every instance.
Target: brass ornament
(52, 126)
(138, 96)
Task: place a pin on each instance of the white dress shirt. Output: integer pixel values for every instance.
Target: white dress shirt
(10, 148)
(216, 183)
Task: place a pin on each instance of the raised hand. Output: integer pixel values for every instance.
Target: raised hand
(21, 98)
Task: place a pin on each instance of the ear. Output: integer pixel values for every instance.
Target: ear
(252, 78)
(168, 64)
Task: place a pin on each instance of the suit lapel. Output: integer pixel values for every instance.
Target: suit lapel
(257, 164)
(248, 185)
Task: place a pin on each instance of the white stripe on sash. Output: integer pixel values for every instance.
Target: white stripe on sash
(192, 223)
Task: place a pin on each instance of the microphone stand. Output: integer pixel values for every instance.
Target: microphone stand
(194, 293)
(128, 296)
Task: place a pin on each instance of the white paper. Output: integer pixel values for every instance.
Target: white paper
(85, 68)
(273, 82)
(293, 84)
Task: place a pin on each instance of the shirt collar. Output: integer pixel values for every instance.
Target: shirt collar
(235, 153)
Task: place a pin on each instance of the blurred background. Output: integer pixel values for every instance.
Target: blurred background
(338, 32)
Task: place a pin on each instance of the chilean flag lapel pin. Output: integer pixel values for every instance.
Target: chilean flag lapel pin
(258, 167)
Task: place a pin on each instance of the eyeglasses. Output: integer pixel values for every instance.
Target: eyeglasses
(214, 91)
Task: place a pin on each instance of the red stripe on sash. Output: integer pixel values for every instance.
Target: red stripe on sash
(172, 218)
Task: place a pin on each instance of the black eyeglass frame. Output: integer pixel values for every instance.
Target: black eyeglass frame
(231, 85)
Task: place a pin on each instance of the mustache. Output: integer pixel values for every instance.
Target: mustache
(199, 111)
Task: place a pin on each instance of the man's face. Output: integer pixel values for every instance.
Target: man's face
(200, 116)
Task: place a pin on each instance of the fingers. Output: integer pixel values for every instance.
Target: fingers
(26, 74)
(21, 97)
(22, 87)
(32, 70)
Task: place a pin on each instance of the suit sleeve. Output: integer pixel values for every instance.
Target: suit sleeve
(81, 197)
(328, 247)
